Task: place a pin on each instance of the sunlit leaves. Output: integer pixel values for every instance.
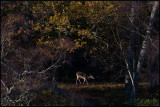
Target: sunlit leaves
(85, 33)
(20, 30)
(36, 27)
(94, 11)
(59, 21)
(70, 18)
(63, 13)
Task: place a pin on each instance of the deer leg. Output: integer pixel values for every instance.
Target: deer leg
(79, 80)
(86, 81)
(76, 81)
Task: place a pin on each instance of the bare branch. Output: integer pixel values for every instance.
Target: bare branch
(131, 30)
(51, 67)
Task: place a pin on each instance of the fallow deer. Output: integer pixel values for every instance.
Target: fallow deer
(84, 76)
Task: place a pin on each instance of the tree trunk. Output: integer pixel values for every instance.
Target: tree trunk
(143, 51)
(154, 62)
(129, 77)
(154, 74)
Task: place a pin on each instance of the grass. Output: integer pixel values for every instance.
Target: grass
(48, 98)
(111, 94)
(98, 94)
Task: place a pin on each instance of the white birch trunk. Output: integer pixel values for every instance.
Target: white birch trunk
(143, 50)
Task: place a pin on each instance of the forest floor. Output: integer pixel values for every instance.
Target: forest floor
(112, 94)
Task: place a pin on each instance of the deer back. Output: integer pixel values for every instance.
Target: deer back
(81, 74)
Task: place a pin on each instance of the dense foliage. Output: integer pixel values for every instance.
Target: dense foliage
(88, 36)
